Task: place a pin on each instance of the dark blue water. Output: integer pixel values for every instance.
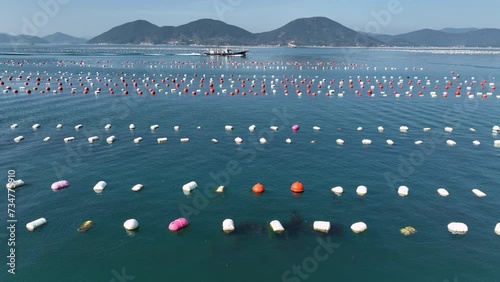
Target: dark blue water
(202, 252)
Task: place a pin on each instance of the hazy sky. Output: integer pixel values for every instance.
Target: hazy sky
(92, 17)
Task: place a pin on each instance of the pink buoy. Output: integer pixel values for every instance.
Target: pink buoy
(295, 127)
(178, 224)
(59, 185)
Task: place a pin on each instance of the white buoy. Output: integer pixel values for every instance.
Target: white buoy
(366, 141)
(18, 139)
(390, 142)
(14, 184)
(228, 225)
(162, 140)
(472, 129)
(316, 128)
(359, 227)
(131, 126)
(107, 126)
(274, 128)
(111, 139)
(338, 190)
(496, 143)
(188, 187)
(59, 126)
(228, 127)
(427, 129)
(137, 140)
(451, 143)
(448, 129)
(360, 128)
(497, 229)
(14, 126)
(184, 140)
(220, 189)
(215, 141)
(322, 226)
(154, 127)
(262, 140)
(361, 190)
(251, 128)
(176, 128)
(404, 128)
(288, 141)
(419, 142)
(137, 187)
(36, 126)
(458, 228)
(443, 192)
(340, 142)
(99, 187)
(35, 224)
(478, 193)
(93, 139)
(238, 140)
(69, 139)
(276, 226)
(78, 126)
(46, 139)
(131, 224)
(380, 129)
(403, 191)
(476, 142)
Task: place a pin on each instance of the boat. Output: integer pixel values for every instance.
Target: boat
(226, 52)
(85, 226)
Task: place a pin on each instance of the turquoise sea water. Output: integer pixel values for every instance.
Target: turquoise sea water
(202, 252)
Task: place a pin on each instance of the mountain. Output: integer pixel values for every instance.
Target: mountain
(21, 39)
(488, 37)
(316, 31)
(458, 30)
(61, 38)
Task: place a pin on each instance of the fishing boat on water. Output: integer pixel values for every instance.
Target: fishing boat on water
(226, 52)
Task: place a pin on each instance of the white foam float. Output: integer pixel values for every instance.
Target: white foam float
(162, 140)
(188, 187)
(276, 226)
(99, 187)
(215, 141)
(497, 229)
(361, 190)
(472, 129)
(451, 143)
(228, 225)
(403, 191)
(14, 126)
(111, 139)
(18, 139)
(478, 193)
(495, 128)
(78, 126)
(360, 128)
(252, 127)
(176, 128)
(338, 190)
(476, 142)
(340, 142)
(137, 187)
(443, 192)
(366, 141)
(46, 139)
(238, 140)
(316, 128)
(228, 127)
(131, 126)
(390, 142)
(496, 143)
(359, 227)
(108, 126)
(131, 224)
(220, 189)
(14, 184)
(36, 126)
(322, 226)
(35, 224)
(274, 128)
(448, 129)
(198, 127)
(403, 128)
(137, 140)
(419, 142)
(59, 126)
(457, 228)
(288, 141)
(380, 129)
(262, 140)
(69, 139)
(427, 129)
(184, 140)
(154, 127)
(93, 139)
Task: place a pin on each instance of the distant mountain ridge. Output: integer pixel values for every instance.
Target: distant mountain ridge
(61, 38)
(21, 39)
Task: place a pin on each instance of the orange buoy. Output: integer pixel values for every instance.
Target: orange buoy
(258, 188)
(297, 187)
